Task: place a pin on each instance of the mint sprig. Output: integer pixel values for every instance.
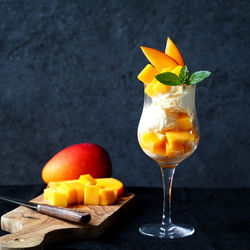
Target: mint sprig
(169, 78)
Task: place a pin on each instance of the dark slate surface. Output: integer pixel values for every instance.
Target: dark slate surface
(68, 75)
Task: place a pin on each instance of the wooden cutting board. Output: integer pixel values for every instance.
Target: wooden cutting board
(32, 230)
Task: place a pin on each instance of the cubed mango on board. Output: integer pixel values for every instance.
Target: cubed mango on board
(113, 183)
(91, 195)
(147, 74)
(177, 70)
(87, 179)
(154, 142)
(106, 196)
(79, 187)
(184, 121)
(177, 138)
(58, 198)
(70, 191)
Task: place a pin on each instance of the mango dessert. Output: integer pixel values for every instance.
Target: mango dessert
(85, 190)
(168, 129)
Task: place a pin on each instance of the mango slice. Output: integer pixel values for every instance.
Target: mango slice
(87, 179)
(158, 59)
(106, 196)
(184, 122)
(147, 74)
(173, 52)
(176, 139)
(154, 142)
(91, 195)
(113, 183)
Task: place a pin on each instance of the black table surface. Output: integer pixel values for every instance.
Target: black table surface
(221, 218)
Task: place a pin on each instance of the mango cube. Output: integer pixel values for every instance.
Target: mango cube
(106, 196)
(87, 179)
(58, 198)
(176, 139)
(91, 195)
(47, 192)
(173, 152)
(184, 121)
(113, 183)
(79, 187)
(70, 191)
(154, 142)
(147, 74)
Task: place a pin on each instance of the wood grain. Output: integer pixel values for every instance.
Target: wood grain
(32, 230)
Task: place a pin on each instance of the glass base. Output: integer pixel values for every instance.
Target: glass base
(170, 231)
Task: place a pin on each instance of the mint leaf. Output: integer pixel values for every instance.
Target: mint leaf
(183, 76)
(168, 78)
(198, 77)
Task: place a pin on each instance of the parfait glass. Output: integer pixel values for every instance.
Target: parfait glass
(168, 132)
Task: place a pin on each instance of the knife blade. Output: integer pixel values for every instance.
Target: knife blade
(57, 212)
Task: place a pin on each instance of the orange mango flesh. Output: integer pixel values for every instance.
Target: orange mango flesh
(172, 51)
(106, 196)
(113, 183)
(58, 199)
(178, 138)
(184, 122)
(177, 70)
(173, 143)
(148, 74)
(154, 142)
(89, 193)
(87, 179)
(70, 192)
(158, 59)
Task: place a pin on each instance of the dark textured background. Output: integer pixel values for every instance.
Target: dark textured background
(68, 75)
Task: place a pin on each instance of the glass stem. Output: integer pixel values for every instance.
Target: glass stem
(167, 173)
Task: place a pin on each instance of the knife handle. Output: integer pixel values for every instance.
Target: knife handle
(64, 213)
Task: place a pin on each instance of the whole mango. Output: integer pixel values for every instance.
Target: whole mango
(76, 160)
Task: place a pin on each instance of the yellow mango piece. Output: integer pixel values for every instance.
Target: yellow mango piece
(160, 88)
(173, 152)
(149, 90)
(79, 187)
(47, 192)
(106, 196)
(91, 195)
(177, 70)
(58, 199)
(176, 139)
(154, 142)
(148, 74)
(184, 121)
(87, 179)
(113, 183)
(70, 191)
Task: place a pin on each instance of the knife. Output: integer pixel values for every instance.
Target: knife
(57, 212)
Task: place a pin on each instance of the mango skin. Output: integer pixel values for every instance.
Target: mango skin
(76, 160)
